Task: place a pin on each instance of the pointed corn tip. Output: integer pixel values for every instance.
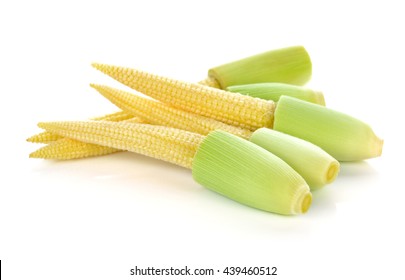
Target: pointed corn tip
(35, 155)
(41, 124)
(96, 65)
(101, 66)
(101, 89)
(45, 125)
(30, 139)
(95, 86)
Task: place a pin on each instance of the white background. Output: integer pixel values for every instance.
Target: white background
(97, 218)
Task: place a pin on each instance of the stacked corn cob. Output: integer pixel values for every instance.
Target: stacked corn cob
(249, 131)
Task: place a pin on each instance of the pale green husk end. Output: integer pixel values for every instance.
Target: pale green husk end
(247, 173)
(316, 166)
(290, 65)
(342, 136)
(273, 91)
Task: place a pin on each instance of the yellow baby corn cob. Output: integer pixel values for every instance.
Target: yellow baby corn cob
(222, 162)
(160, 142)
(114, 117)
(66, 149)
(289, 65)
(161, 114)
(151, 111)
(47, 137)
(231, 108)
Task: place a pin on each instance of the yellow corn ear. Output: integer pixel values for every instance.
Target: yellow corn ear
(161, 114)
(114, 117)
(231, 108)
(65, 149)
(47, 137)
(168, 144)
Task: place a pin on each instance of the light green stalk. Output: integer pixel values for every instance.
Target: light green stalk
(342, 136)
(273, 91)
(249, 174)
(315, 165)
(290, 65)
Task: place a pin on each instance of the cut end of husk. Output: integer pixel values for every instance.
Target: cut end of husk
(303, 202)
(290, 65)
(249, 174)
(316, 166)
(332, 172)
(342, 136)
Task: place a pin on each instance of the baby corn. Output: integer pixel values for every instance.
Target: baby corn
(161, 114)
(66, 149)
(148, 110)
(47, 137)
(288, 65)
(231, 108)
(316, 166)
(222, 162)
(314, 123)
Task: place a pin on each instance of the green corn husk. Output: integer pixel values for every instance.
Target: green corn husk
(249, 174)
(273, 91)
(342, 136)
(290, 65)
(316, 166)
